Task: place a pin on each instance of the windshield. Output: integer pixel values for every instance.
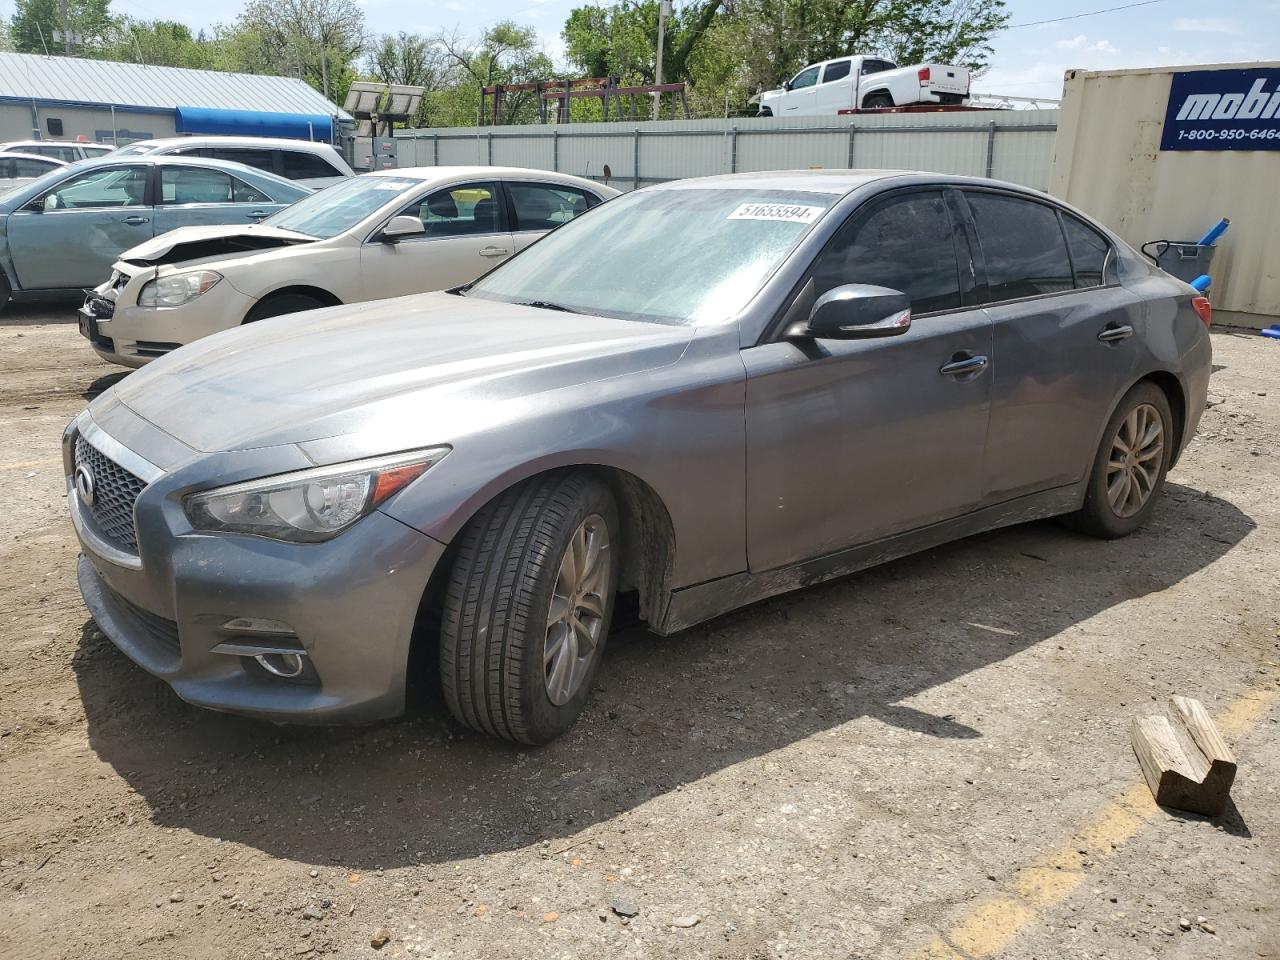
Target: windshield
(134, 150)
(337, 209)
(674, 256)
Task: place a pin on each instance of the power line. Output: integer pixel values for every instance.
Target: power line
(1080, 16)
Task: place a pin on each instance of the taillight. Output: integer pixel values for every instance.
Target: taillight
(923, 74)
(1203, 309)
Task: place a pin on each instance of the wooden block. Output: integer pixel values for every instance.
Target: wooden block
(1187, 764)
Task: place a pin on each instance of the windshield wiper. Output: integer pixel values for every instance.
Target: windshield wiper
(546, 305)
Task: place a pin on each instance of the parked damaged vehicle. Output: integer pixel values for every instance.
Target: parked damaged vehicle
(64, 230)
(772, 379)
(384, 234)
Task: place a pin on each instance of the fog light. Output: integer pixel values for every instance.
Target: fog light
(286, 665)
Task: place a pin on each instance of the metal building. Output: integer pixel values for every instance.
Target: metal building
(66, 98)
(1162, 153)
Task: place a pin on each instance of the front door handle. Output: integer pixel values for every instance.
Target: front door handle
(1113, 332)
(135, 221)
(494, 251)
(962, 363)
(257, 214)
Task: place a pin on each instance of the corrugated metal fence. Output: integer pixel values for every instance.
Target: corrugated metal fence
(1006, 144)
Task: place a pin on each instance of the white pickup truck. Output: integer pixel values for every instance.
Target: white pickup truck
(864, 83)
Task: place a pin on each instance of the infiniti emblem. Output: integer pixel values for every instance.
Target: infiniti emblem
(84, 485)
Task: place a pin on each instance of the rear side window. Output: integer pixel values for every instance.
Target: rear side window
(58, 153)
(180, 185)
(1088, 252)
(26, 167)
(836, 71)
(1023, 246)
(306, 166)
(541, 206)
(906, 243)
(250, 157)
(876, 66)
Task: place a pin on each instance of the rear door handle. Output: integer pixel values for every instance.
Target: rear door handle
(135, 221)
(1115, 331)
(961, 364)
(494, 251)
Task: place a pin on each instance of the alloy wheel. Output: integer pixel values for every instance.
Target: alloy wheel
(579, 601)
(1133, 466)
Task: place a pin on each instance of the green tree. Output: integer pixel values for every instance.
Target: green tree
(162, 43)
(318, 40)
(506, 53)
(34, 24)
(417, 61)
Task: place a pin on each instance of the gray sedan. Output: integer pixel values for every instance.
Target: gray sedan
(65, 230)
(706, 393)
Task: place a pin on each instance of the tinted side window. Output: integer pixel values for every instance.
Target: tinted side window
(194, 185)
(905, 243)
(876, 66)
(109, 187)
(540, 206)
(261, 159)
(805, 78)
(241, 192)
(836, 71)
(26, 167)
(1088, 252)
(1023, 246)
(304, 166)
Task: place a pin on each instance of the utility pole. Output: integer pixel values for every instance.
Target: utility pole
(664, 11)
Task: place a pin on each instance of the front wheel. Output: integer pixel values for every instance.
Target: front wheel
(528, 605)
(1129, 469)
(281, 304)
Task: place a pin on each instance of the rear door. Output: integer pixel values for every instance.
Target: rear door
(1065, 337)
(464, 235)
(536, 208)
(835, 90)
(70, 236)
(850, 441)
(196, 196)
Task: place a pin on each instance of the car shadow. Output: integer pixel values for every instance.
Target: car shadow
(104, 382)
(669, 711)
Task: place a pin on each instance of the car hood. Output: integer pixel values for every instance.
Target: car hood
(402, 372)
(200, 243)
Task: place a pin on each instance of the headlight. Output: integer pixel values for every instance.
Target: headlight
(311, 505)
(177, 289)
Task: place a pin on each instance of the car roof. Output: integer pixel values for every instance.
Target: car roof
(835, 182)
(274, 143)
(34, 156)
(432, 174)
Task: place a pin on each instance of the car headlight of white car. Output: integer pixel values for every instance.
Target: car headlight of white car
(309, 506)
(177, 288)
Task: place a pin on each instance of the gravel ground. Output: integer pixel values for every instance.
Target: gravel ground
(872, 768)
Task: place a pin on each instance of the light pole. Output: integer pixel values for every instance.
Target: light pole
(664, 11)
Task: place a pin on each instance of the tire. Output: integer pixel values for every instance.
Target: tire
(877, 101)
(1100, 516)
(278, 306)
(6, 293)
(498, 668)
(765, 112)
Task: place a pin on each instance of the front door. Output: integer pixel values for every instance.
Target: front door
(464, 235)
(798, 101)
(72, 235)
(850, 441)
(1065, 334)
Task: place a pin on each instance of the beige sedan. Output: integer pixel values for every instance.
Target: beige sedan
(384, 234)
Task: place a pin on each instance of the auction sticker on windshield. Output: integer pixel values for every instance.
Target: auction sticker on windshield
(785, 212)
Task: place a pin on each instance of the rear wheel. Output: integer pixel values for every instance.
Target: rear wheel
(528, 605)
(877, 101)
(281, 304)
(6, 293)
(1129, 470)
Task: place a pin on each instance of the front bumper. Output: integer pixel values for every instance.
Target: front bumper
(350, 605)
(133, 336)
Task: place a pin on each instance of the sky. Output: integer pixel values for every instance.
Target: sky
(1029, 61)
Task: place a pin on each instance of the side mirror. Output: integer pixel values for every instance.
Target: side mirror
(50, 201)
(401, 227)
(786, 84)
(856, 311)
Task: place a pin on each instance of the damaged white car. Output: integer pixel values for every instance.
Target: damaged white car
(384, 234)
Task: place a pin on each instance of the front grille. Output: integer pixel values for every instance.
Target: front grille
(115, 490)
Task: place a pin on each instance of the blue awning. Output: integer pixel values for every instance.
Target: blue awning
(253, 123)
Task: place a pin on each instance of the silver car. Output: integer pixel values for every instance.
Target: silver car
(707, 393)
(64, 230)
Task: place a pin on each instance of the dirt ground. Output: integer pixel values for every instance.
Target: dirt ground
(930, 759)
